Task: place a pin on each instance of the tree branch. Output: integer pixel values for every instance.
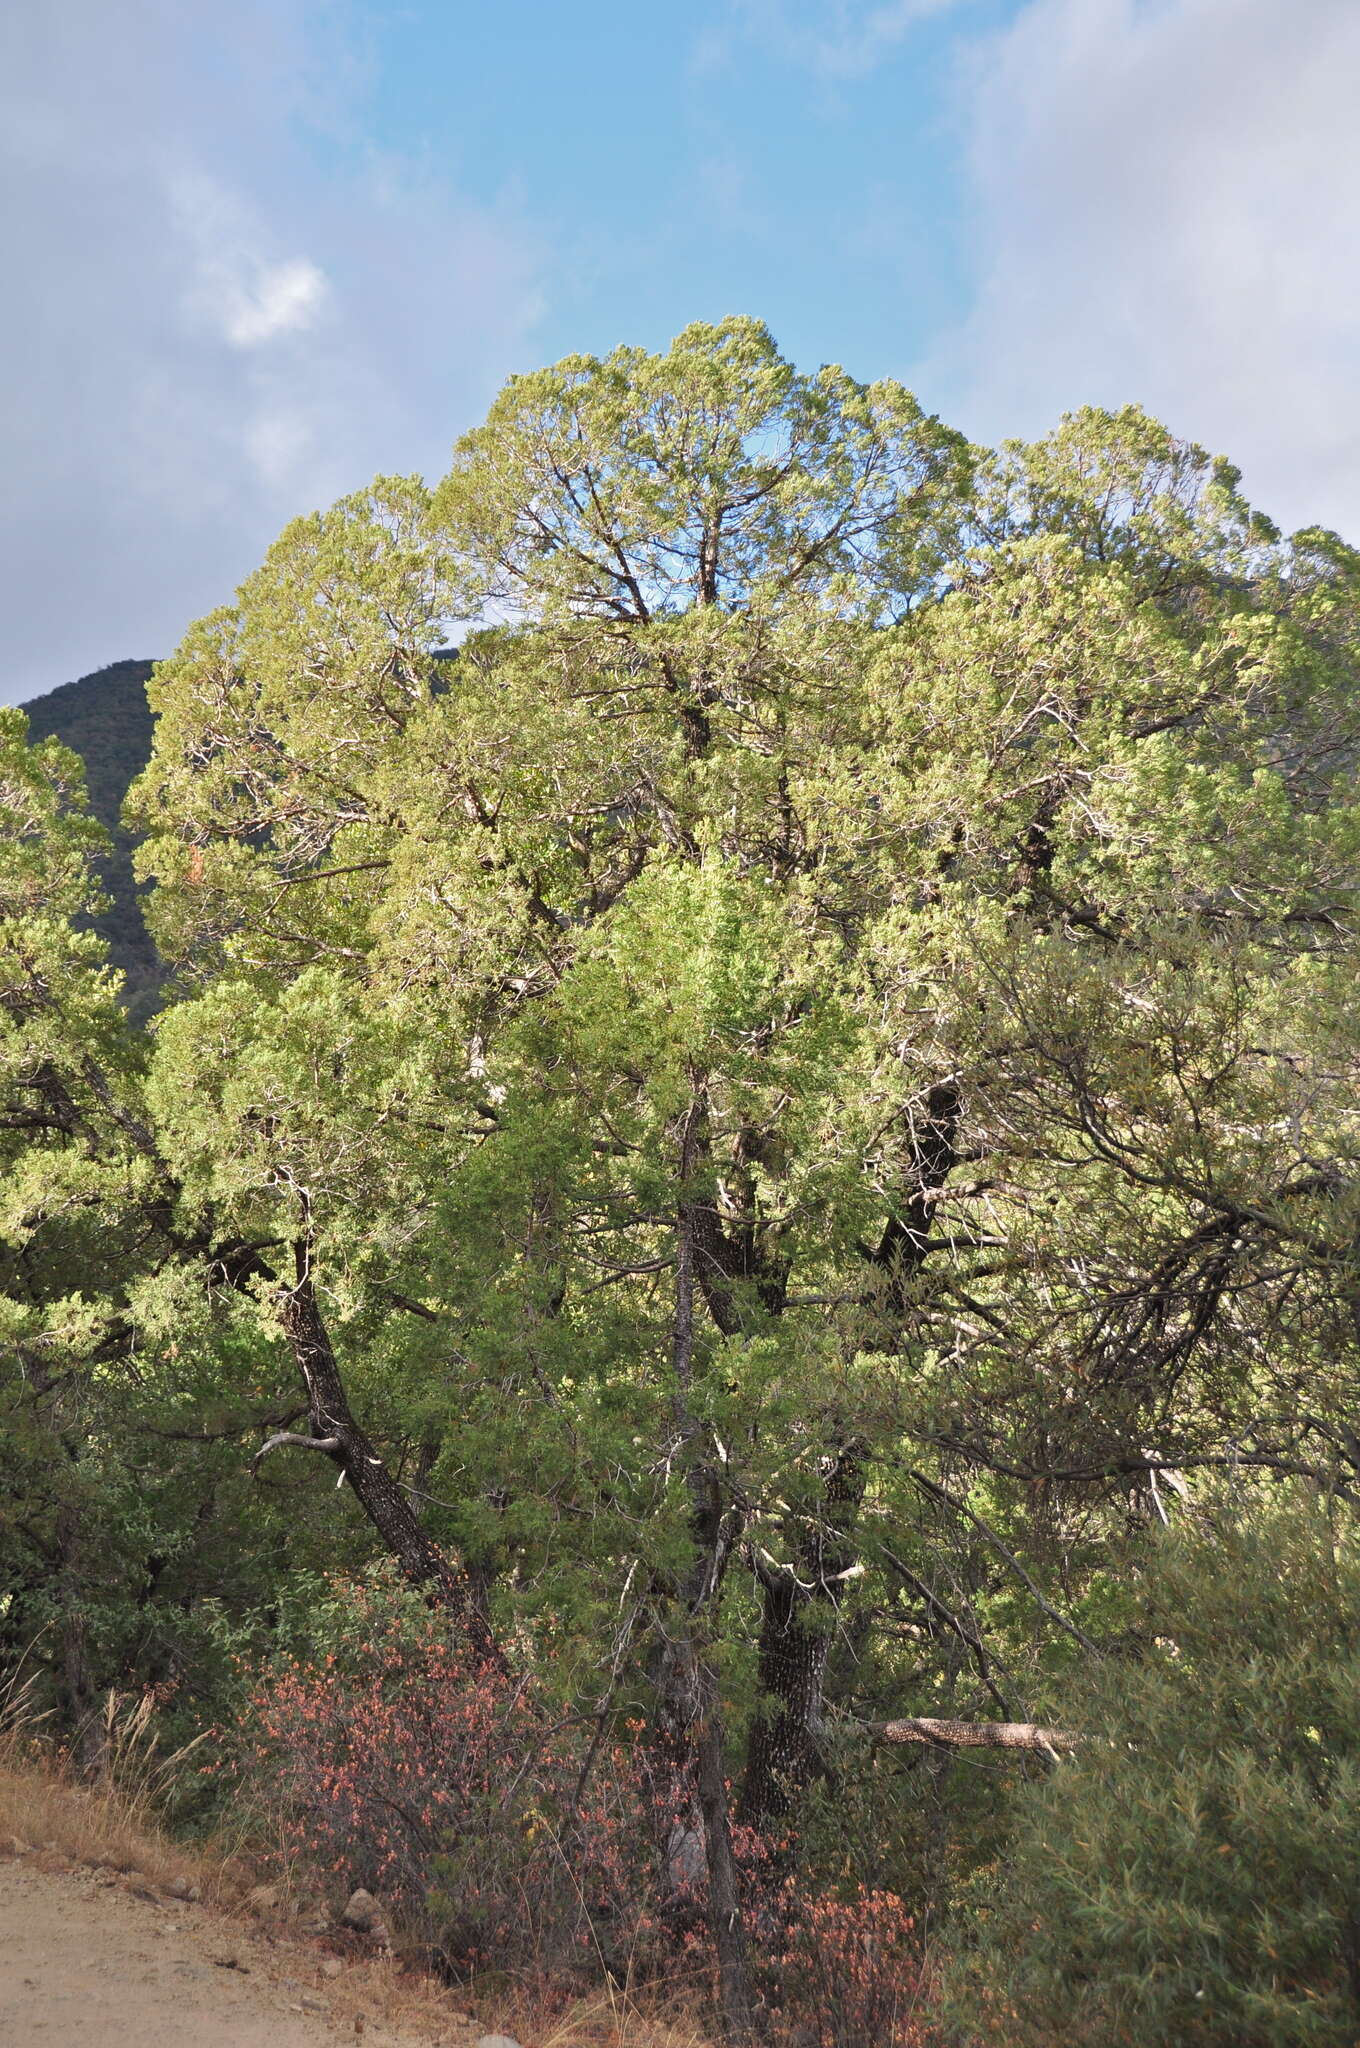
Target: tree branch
(977, 1735)
(291, 1436)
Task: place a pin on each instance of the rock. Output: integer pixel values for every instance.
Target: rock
(331, 1966)
(180, 1888)
(361, 1911)
(310, 2004)
(497, 2041)
(316, 1923)
(364, 1915)
(263, 1900)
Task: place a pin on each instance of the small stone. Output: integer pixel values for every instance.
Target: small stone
(180, 1888)
(497, 2041)
(310, 2004)
(331, 1966)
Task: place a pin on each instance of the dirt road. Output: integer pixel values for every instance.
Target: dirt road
(85, 1964)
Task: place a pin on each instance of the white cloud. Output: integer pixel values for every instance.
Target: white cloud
(1166, 202)
(235, 285)
(220, 315)
(279, 300)
(278, 443)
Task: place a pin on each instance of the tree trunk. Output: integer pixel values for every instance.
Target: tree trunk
(76, 1688)
(690, 1711)
(801, 1600)
(798, 1621)
(336, 1431)
(724, 1889)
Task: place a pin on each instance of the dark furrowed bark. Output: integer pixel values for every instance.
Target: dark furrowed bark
(798, 1618)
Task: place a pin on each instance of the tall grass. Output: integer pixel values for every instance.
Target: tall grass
(114, 1820)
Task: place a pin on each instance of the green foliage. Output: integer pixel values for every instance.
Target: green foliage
(131, 1549)
(639, 485)
(1192, 1875)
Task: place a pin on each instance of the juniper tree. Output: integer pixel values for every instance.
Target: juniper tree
(824, 1027)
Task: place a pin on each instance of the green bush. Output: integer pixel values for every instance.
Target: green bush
(1193, 1876)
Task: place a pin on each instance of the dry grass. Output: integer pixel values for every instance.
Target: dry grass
(614, 2020)
(44, 1807)
(384, 1992)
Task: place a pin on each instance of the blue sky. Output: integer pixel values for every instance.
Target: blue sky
(675, 165)
(260, 249)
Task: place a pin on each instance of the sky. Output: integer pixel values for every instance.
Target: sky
(258, 251)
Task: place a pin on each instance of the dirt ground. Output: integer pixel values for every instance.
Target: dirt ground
(87, 1963)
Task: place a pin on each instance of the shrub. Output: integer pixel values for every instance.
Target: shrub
(1193, 1876)
(846, 1971)
(403, 1765)
(507, 1835)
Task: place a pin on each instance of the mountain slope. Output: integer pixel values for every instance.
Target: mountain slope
(106, 719)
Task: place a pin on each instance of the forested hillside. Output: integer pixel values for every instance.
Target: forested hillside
(105, 718)
(718, 1333)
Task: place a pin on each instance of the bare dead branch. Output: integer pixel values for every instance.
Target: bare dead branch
(978, 1735)
(291, 1436)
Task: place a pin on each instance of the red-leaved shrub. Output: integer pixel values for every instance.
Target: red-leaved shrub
(846, 1971)
(510, 1835)
(405, 1765)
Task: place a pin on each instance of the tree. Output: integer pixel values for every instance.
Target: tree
(832, 1012)
(101, 1534)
